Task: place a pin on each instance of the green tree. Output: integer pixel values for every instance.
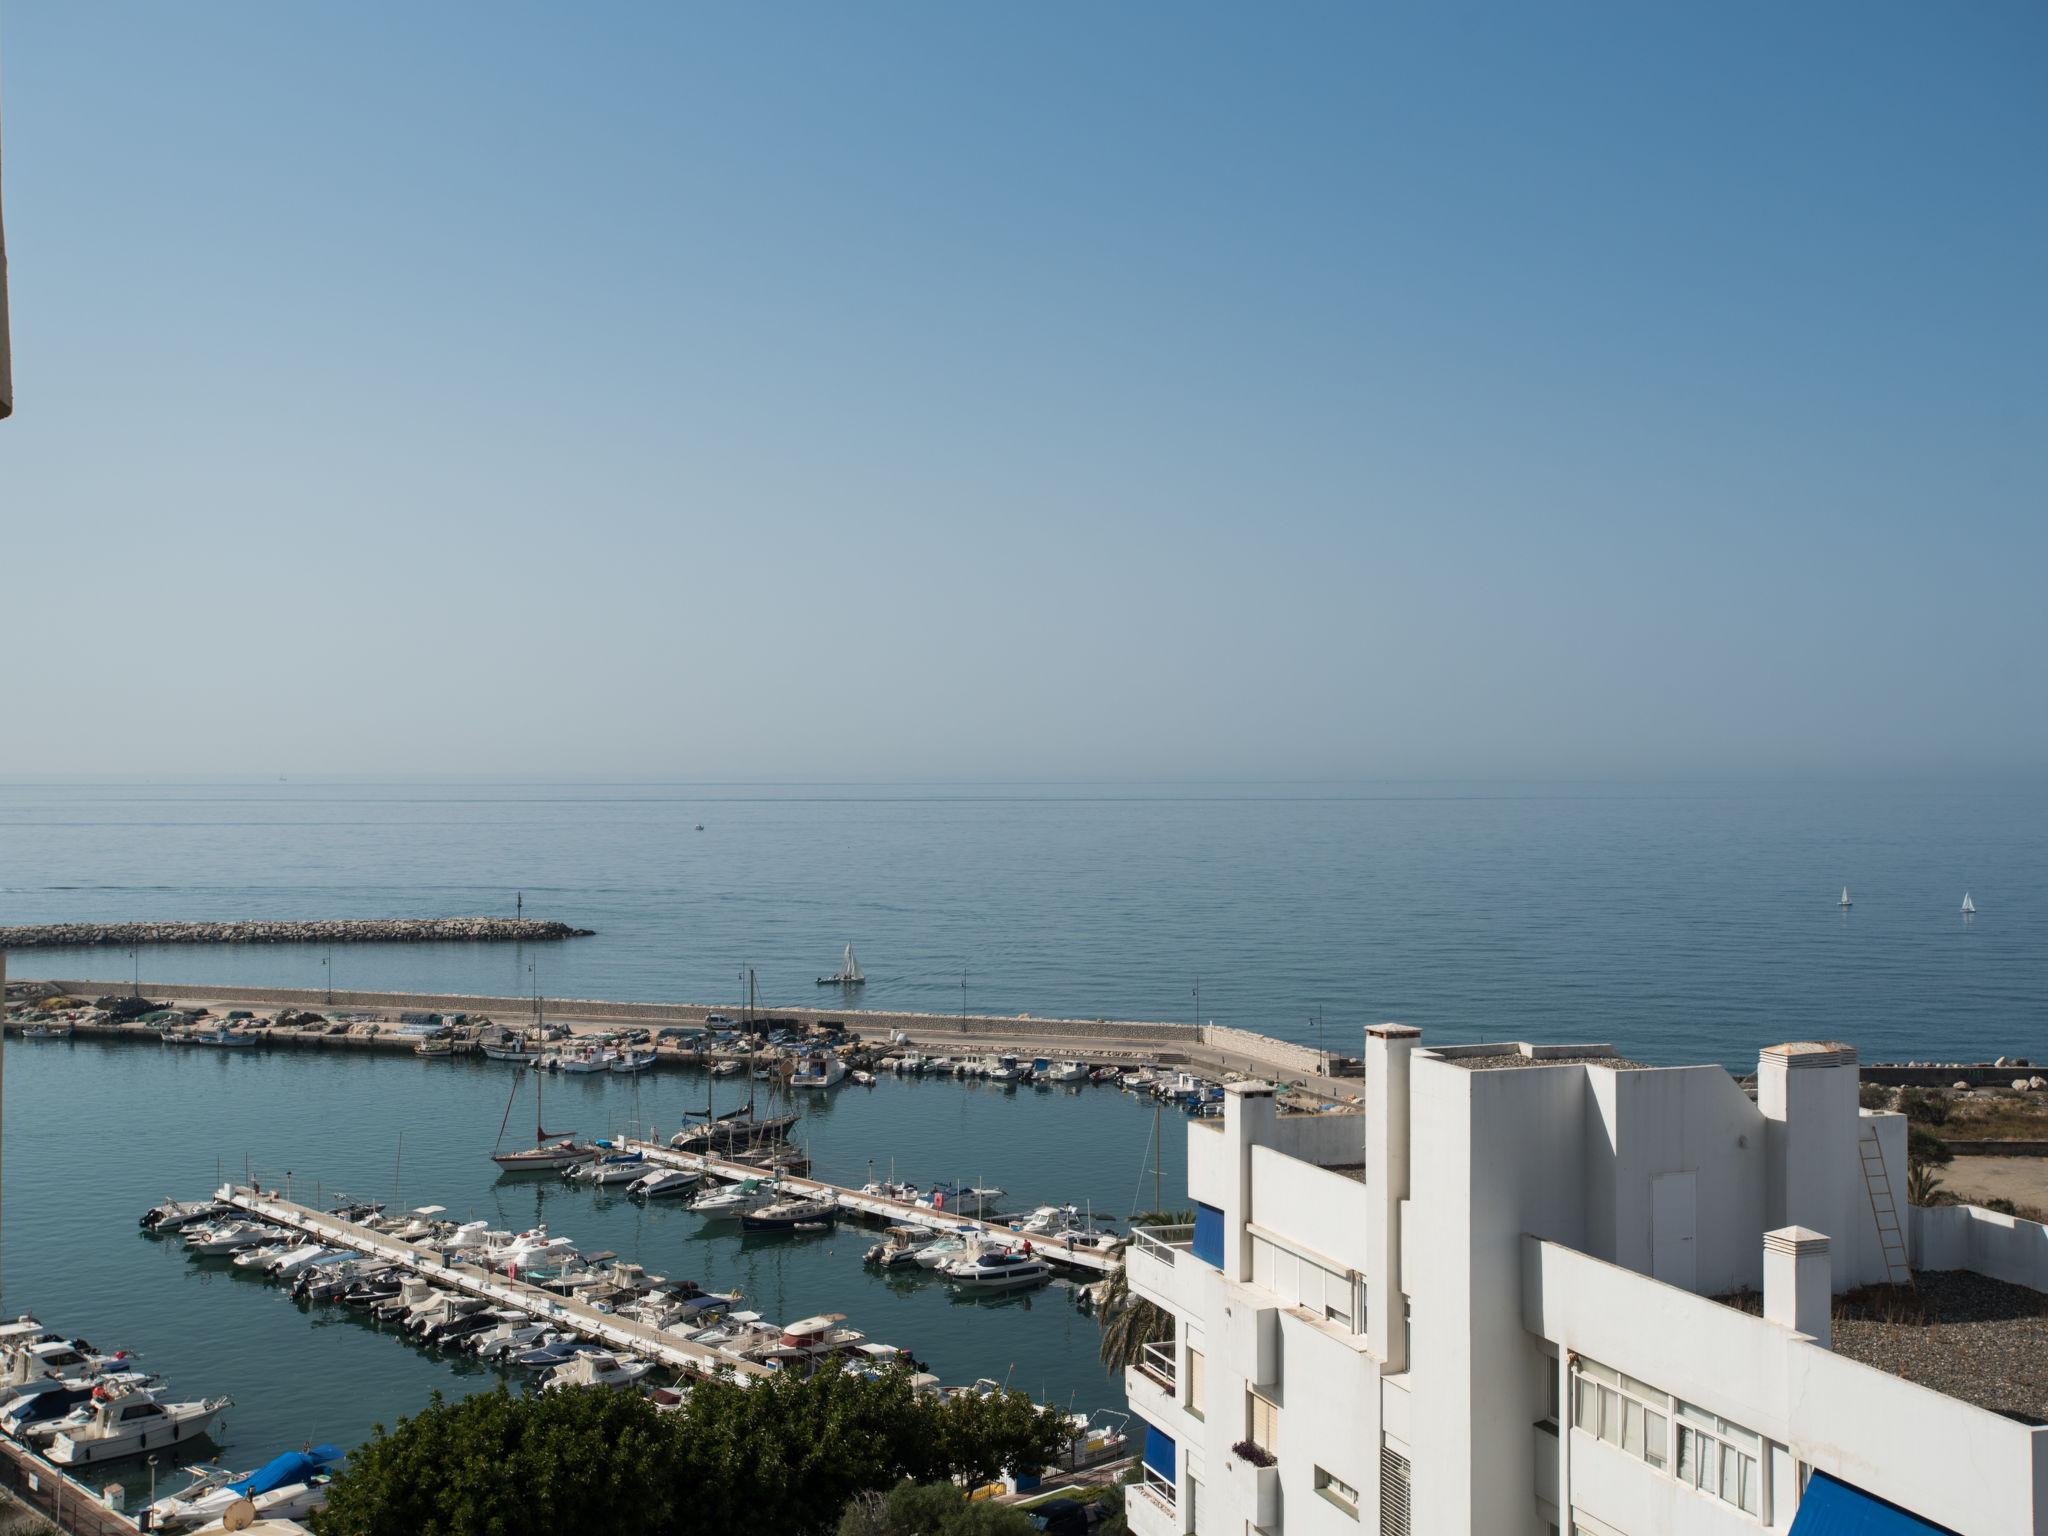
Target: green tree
(1128, 1322)
(781, 1454)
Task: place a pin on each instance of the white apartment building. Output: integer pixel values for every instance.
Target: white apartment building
(1487, 1307)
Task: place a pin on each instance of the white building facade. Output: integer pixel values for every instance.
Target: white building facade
(1485, 1306)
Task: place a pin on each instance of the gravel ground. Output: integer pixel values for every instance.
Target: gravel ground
(1984, 1341)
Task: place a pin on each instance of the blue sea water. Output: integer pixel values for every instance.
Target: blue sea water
(1680, 923)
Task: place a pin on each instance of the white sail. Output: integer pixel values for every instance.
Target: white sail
(1845, 896)
(1969, 906)
(851, 970)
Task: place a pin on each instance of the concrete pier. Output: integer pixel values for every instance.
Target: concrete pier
(408, 930)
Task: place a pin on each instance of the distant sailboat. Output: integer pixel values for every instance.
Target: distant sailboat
(849, 973)
(1969, 906)
(1846, 902)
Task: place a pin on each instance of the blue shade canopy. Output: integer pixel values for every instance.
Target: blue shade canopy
(1209, 1234)
(1834, 1508)
(1159, 1452)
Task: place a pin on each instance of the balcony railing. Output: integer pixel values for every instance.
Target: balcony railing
(1158, 1489)
(1156, 1362)
(1162, 1243)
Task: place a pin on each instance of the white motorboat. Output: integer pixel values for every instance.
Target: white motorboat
(261, 1256)
(515, 1333)
(129, 1422)
(38, 1362)
(898, 1249)
(665, 1182)
(975, 1200)
(292, 1260)
(596, 1370)
(611, 1168)
(1003, 1069)
(735, 1200)
(824, 1070)
(590, 1059)
(849, 973)
(50, 1029)
(632, 1061)
(865, 1079)
(175, 1214)
(730, 1067)
(998, 1269)
(534, 1249)
(1068, 1072)
(231, 1237)
(283, 1488)
(940, 1252)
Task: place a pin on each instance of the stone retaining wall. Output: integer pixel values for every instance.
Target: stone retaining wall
(412, 930)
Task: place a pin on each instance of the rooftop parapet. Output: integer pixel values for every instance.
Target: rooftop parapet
(1520, 1053)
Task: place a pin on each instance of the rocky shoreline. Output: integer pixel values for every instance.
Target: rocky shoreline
(412, 930)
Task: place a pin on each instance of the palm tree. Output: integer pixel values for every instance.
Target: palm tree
(1921, 1183)
(1128, 1322)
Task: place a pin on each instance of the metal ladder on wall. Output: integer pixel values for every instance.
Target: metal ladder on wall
(1883, 1210)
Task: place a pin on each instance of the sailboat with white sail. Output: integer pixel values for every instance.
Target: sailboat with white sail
(849, 973)
(1846, 902)
(1969, 906)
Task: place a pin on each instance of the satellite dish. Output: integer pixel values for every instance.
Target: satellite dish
(239, 1516)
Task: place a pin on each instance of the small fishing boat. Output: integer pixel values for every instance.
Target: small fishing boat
(221, 1038)
(865, 1079)
(631, 1061)
(590, 1059)
(50, 1029)
(728, 1068)
(127, 1422)
(849, 973)
(1068, 1072)
(1004, 1069)
(823, 1070)
(786, 1215)
(1969, 906)
(513, 1049)
(434, 1045)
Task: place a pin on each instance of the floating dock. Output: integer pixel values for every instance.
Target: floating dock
(474, 1280)
(901, 1213)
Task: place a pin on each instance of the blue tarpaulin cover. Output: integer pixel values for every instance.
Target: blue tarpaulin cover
(1159, 1452)
(291, 1467)
(1208, 1234)
(1834, 1508)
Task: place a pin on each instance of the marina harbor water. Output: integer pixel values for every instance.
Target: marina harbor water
(407, 1131)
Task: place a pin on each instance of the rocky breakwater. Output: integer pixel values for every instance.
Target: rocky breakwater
(410, 930)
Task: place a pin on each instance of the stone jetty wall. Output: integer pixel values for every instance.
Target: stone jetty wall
(411, 930)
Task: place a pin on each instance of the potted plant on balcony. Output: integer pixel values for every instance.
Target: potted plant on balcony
(1265, 1474)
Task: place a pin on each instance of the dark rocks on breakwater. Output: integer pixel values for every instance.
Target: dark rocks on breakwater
(413, 930)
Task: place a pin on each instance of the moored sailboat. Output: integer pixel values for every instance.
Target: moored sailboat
(551, 1151)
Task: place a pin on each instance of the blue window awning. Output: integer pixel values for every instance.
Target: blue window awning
(1209, 1234)
(1831, 1507)
(1159, 1452)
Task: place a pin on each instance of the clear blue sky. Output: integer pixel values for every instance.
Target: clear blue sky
(920, 391)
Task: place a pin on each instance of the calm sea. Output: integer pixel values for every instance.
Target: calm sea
(1679, 923)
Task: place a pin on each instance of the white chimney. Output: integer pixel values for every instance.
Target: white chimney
(1798, 1285)
(1388, 1048)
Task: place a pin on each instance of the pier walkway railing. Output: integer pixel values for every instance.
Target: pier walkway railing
(474, 1280)
(1054, 1250)
(65, 1502)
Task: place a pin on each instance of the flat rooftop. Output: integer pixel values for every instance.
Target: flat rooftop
(1519, 1053)
(1965, 1335)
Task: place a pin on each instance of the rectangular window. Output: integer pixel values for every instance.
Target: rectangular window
(1197, 1373)
(1337, 1491)
(1262, 1423)
(1720, 1459)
